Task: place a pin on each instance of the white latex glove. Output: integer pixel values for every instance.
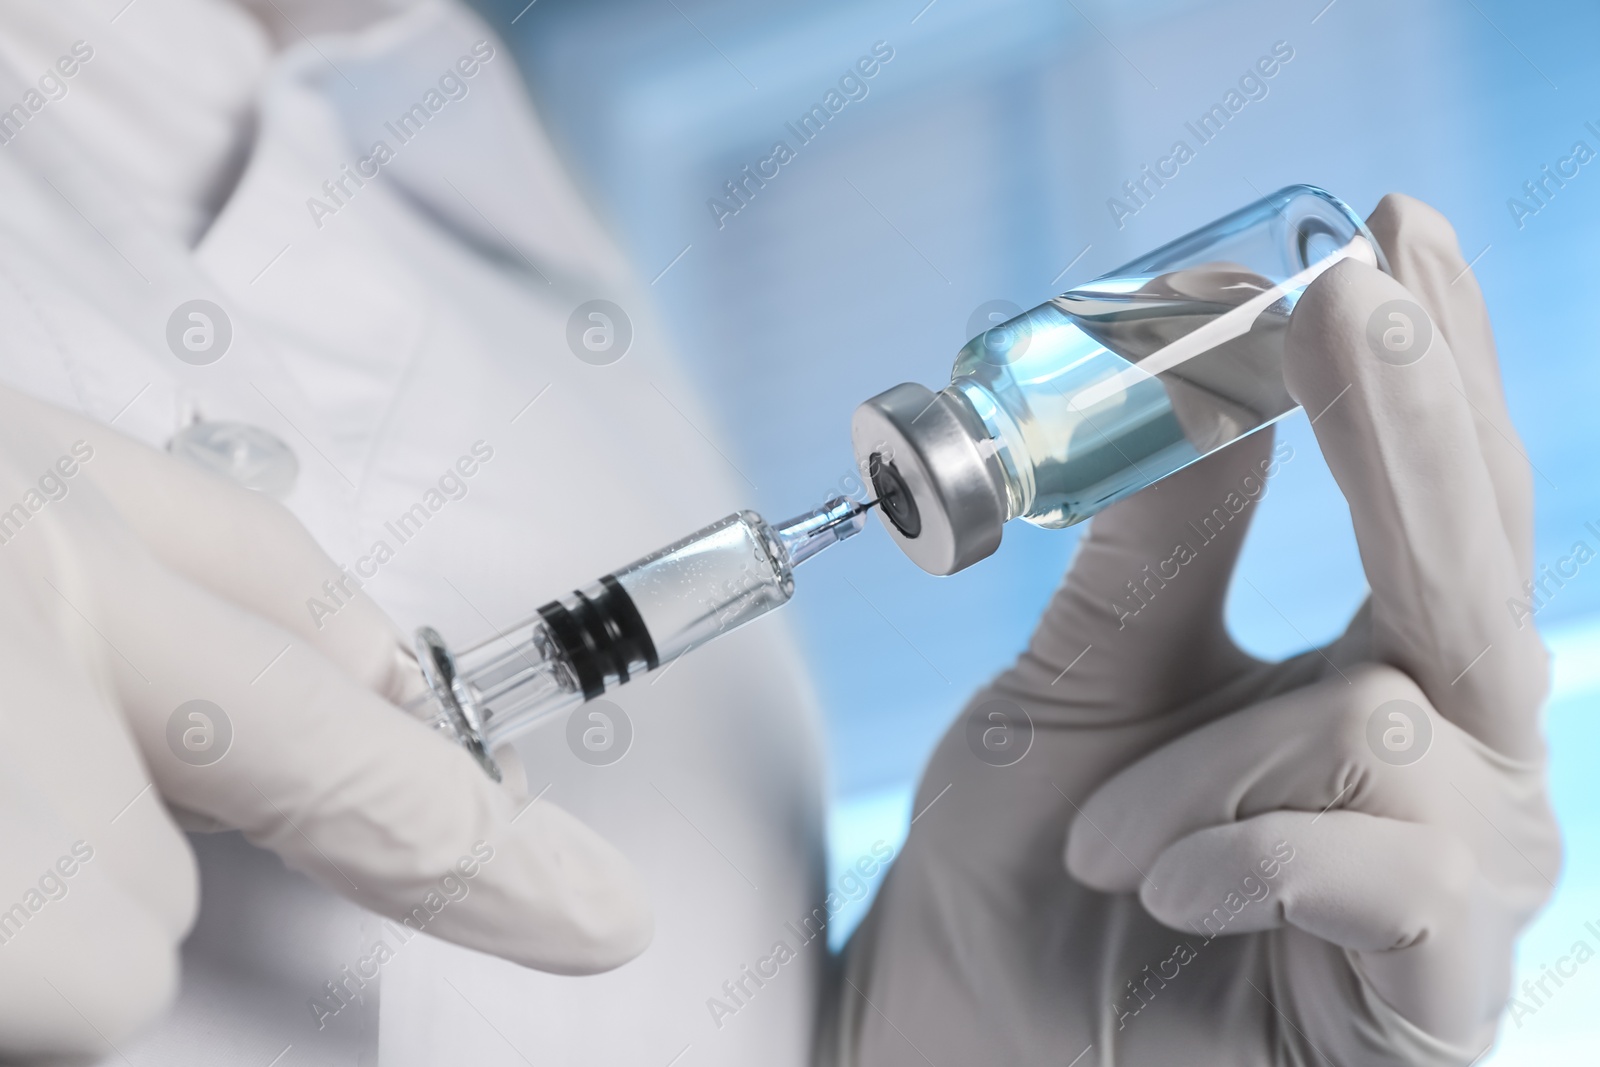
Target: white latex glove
(133, 584)
(1257, 877)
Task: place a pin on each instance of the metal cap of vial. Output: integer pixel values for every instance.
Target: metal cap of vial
(940, 493)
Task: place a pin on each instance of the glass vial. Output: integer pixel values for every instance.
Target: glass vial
(1111, 386)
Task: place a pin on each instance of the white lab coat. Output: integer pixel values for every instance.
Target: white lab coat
(380, 342)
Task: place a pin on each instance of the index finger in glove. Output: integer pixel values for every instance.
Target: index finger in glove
(1425, 257)
(1369, 745)
(242, 545)
(1398, 434)
(361, 797)
(1407, 897)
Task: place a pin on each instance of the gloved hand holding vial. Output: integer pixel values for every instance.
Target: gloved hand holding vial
(1180, 853)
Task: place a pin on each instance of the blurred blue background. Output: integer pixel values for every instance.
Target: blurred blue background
(978, 168)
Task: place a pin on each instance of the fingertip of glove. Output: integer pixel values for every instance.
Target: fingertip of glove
(1160, 907)
(1091, 861)
(1404, 225)
(617, 933)
(607, 919)
(1329, 332)
(566, 901)
(593, 936)
(1348, 289)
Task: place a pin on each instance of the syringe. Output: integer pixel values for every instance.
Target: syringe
(629, 622)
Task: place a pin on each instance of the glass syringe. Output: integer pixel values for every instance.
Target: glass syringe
(631, 621)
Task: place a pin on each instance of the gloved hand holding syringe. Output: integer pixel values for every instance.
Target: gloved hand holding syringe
(634, 620)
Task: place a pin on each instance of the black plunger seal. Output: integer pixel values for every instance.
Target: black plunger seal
(600, 636)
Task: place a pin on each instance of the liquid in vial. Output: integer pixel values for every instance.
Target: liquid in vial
(1107, 388)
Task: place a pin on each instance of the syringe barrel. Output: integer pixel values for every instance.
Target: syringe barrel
(713, 581)
(631, 621)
